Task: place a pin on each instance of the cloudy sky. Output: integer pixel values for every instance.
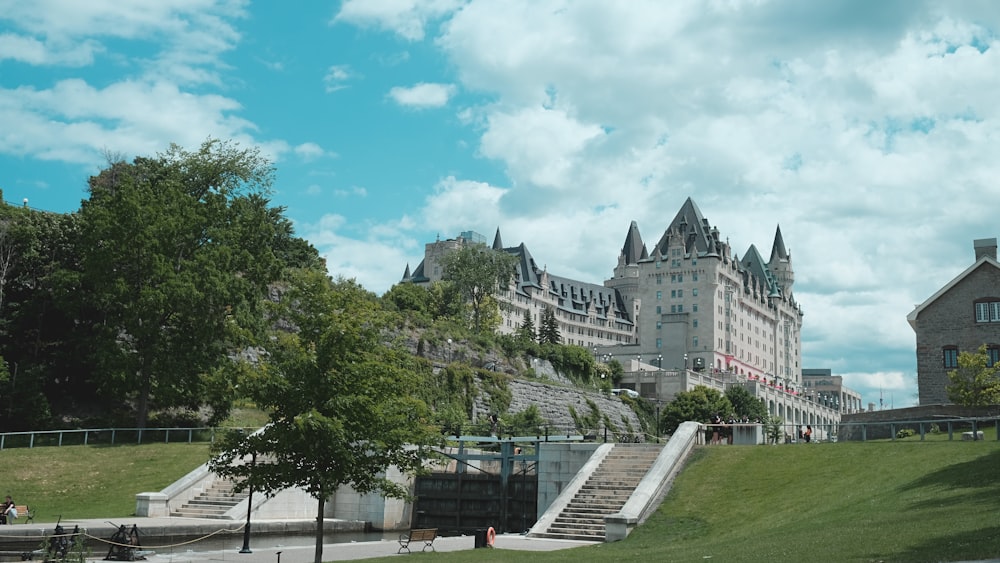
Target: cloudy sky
(869, 131)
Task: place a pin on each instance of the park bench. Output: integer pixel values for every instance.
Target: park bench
(24, 513)
(426, 535)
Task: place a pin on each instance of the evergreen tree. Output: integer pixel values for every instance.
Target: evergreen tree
(527, 328)
(549, 333)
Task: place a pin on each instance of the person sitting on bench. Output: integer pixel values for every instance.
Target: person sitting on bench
(9, 513)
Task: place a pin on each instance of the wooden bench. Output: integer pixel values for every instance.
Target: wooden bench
(426, 535)
(23, 513)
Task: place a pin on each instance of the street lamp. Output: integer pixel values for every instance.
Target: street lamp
(246, 529)
(685, 361)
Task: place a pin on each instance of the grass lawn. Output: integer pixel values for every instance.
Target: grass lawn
(876, 501)
(902, 500)
(93, 481)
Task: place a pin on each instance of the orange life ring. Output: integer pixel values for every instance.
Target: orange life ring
(491, 536)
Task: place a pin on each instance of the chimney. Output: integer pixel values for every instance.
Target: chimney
(985, 247)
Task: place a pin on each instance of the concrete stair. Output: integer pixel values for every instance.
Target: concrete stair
(214, 502)
(604, 493)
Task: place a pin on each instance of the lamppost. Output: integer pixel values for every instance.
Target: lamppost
(638, 359)
(685, 361)
(659, 361)
(246, 529)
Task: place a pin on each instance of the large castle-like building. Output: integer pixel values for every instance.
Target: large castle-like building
(689, 301)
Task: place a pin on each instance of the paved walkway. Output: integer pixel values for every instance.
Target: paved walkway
(224, 540)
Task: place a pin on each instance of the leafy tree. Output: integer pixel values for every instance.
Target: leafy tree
(528, 422)
(342, 403)
(478, 272)
(745, 404)
(409, 298)
(44, 331)
(976, 382)
(178, 251)
(549, 331)
(698, 404)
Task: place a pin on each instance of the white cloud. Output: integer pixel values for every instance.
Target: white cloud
(406, 18)
(309, 151)
(336, 77)
(423, 95)
(377, 258)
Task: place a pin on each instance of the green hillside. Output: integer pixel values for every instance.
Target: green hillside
(878, 501)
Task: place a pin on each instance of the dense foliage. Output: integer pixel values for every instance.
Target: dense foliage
(136, 303)
(699, 404)
(342, 401)
(976, 382)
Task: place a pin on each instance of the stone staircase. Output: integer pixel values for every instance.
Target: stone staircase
(214, 502)
(604, 493)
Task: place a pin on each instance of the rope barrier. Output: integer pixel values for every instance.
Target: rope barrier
(109, 542)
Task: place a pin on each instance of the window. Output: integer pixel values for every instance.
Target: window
(988, 311)
(951, 357)
(659, 295)
(694, 323)
(694, 341)
(694, 292)
(659, 309)
(680, 293)
(659, 325)
(694, 308)
(680, 278)
(659, 343)
(992, 355)
(694, 277)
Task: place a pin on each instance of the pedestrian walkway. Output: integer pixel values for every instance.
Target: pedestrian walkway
(271, 541)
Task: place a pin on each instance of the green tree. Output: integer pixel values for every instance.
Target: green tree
(527, 329)
(178, 252)
(478, 272)
(745, 404)
(342, 403)
(44, 328)
(698, 404)
(976, 382)
(549, 331)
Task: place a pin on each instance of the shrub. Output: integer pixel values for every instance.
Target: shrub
(905, 432)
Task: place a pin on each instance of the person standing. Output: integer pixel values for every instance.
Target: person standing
(808, 434)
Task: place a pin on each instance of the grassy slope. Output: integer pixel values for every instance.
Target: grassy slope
(875, 501)
(92, 481)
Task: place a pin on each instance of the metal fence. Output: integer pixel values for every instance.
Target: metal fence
(936, 429)
(110, 436)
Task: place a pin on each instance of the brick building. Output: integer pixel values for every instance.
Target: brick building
(960, 317)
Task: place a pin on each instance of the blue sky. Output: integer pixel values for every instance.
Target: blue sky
(867, 131)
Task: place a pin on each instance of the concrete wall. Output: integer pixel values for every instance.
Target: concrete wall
(558, 463)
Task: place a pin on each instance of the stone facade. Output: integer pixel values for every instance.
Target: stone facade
(688, 302)
(960, 317)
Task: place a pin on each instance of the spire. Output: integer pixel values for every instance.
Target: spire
(634, 250)
(497, 243)
(406, 274)
(778, 250)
